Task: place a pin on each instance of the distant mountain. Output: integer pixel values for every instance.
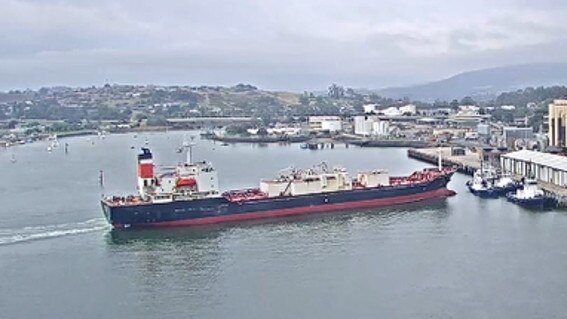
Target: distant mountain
(484, 84)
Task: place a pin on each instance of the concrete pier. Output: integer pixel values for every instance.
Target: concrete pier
(466, 164)
(550, 171)
(558, 193)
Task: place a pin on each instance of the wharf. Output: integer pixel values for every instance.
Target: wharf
(258, 139)
(390, 143)
(558, 193)
(470, 162)
(466, 164)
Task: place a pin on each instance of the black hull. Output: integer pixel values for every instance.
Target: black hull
(216, 210)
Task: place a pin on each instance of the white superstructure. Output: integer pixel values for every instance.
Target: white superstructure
(371, 125)
(321, 179)
(186, 181)
(529, 191)
(325, 123)
(363, 124)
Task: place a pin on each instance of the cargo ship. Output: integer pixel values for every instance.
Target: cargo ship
(188, 194)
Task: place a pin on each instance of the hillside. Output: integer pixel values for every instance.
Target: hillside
(15, 97)
(484, 84)
(122, 102)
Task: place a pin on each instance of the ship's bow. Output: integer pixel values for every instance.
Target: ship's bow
(107, 211)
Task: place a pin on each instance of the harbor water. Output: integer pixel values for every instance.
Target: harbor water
(460, 257)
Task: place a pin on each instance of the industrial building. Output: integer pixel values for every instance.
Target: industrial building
(363, 124)
(325, 123)
(367, 125)
(512, 134)
(557, 119)
(549, 168)
(409, 109)
(483, 129)
(370, 108)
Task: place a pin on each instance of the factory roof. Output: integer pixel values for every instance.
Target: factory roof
(544, 159)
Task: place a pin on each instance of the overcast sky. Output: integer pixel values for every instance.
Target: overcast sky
(275, 44)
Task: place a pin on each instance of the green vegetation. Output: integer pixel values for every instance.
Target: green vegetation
(521, 98)
(88, 107)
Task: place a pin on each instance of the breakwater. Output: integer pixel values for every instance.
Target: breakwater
(257, 139)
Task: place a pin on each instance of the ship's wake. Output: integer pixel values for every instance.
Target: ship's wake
(32, 233)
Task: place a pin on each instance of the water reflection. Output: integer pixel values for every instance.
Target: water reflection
(157, 236)
(178, 264)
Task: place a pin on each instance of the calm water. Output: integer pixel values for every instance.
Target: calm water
(462, 257)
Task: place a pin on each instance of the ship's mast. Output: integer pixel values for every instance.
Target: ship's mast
(188, 146)
(440, 160)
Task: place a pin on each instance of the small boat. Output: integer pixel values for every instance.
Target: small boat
(530, 195)
(224, 144)
(482, 184)
(13, 158)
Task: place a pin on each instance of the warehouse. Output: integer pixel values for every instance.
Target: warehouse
(545, 167)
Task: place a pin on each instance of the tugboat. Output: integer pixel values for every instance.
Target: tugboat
(482, 184)
(530, 195)
(505, 184)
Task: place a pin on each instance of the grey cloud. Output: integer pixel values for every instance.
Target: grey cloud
(274, 44)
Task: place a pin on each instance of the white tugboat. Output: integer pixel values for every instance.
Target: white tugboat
(530, 195)
(482, 183)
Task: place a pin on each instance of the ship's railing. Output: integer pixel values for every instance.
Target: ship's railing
(123, 200)
(244, 194)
